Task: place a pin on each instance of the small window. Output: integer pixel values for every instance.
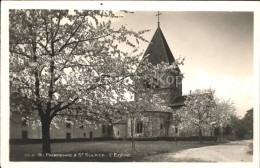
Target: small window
(84, 134)
(24, 121)
(161, 126)
(103, 129)
(117, 132)
(139, 128)
(81, 125)
(68, 125)
(176, 130)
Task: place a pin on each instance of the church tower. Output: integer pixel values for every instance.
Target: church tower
(169, 84)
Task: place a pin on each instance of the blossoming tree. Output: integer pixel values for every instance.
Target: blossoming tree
(58, 59)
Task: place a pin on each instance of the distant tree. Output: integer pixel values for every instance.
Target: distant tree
(63, 61)
(239, 129)
(20, 104)
(248, 122)
(227, 130)
(224, 109)
(221, 118)
(243, 127)
(22, 108)
(199, 109)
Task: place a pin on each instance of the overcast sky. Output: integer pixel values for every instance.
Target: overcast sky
(218, 47)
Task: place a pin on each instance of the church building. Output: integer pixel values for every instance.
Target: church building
(154, 124)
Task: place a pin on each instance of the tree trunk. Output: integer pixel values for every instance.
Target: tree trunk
(175, 134)
(175, 138)
(200, 135)
(46, 144)
(132, 133)
(221, 134)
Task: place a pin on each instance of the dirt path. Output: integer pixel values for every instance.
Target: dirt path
(235, 151)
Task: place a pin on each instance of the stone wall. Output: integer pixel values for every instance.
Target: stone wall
(119, 130)
(18, 130)
(154, 124)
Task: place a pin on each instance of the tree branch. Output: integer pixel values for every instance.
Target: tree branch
(72, 34)
(57, 106)
(46, 31)
(94, 38)
(52, 67)
(58, 27)
(44, 47)
(62, 108)
(23, 54)
(37, 92)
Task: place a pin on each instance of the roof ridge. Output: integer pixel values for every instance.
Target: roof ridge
(165, 44)
(168, 49)
(162, 39)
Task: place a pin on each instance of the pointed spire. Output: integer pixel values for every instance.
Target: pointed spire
(158, 15)
(158, 50)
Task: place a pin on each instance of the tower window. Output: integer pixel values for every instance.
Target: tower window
(68, 125)
(81, 125)
(117, 132)
(139, 127)
(24, 121)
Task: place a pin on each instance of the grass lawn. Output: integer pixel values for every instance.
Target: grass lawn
(100, 151)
